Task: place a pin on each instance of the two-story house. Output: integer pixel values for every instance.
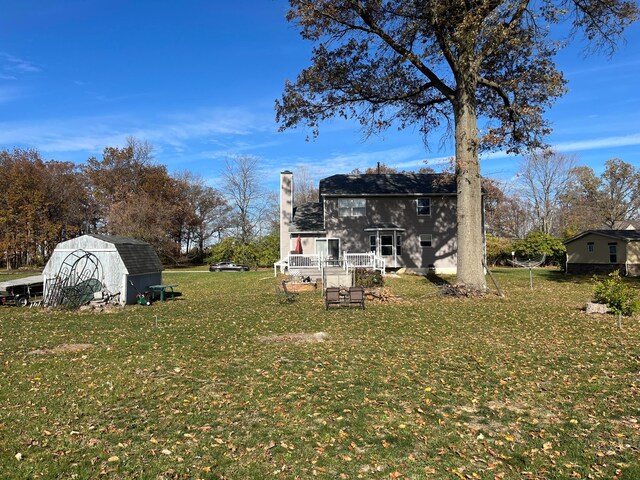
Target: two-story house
(407, 219)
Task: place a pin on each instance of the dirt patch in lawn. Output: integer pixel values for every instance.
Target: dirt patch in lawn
(475, 420)
(64, 348)
(302, 287)
(297, 337)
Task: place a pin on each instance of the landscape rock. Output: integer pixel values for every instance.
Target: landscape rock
(596, 308)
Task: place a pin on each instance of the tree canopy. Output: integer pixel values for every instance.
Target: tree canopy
(124, 193)
(482, 68)
(604, 201)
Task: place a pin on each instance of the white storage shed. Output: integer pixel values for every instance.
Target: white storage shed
(122, 265)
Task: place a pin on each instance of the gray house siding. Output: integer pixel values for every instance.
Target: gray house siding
(389, 225)
(401, 212)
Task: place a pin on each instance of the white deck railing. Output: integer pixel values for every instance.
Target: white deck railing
(349, 260)
(280, 264)
(364, 260)
(297, 260)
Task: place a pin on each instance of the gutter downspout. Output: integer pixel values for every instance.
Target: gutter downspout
(626, 260)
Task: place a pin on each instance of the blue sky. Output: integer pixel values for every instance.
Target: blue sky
(198, 80)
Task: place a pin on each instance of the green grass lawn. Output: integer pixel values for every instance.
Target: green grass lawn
(210, 386)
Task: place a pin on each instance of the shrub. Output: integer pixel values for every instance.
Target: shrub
(262, 251)
(223, 251)
(619, 297)
(538, 244)
(498, 250)
(268, 250)
(369, 278)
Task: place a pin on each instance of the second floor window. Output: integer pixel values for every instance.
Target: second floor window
(426, 240)
(424, 206)
(352, 207)
(590, 247)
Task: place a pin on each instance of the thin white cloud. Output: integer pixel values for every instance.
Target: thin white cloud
(229, 147)
(92, 134)
(401, 158)
(603, 67)
(432, 162)
(598, 143)
(579, 145)
(11, 63)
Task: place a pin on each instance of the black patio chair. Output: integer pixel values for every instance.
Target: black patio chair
(356, 296)
(331, 297)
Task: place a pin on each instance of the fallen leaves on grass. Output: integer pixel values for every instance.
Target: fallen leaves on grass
(296, 337)
(523, 387)
(64, 348)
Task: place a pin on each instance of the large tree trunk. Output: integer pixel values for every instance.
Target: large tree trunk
(469, 211)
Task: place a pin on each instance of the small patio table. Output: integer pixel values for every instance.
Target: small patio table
(161, 291)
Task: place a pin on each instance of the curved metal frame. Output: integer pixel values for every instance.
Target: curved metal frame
(79, 277)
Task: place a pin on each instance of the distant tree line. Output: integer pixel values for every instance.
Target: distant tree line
(555, 198)
(43, 202)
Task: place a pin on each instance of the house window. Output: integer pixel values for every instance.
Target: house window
(426, 240)
(372, 243)
(424, 206)
(386, 244)
(613, 253)
(398, 244)
(351, 207)
(590, 247)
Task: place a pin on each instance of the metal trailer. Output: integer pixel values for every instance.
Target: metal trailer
(22, 291)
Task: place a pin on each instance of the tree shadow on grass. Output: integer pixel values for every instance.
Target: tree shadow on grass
(562, 277)
(559, 276)
(549, 274)
(545, 273)
(436, 279)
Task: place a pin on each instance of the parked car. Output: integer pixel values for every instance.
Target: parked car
(228, 266)
(21, 292)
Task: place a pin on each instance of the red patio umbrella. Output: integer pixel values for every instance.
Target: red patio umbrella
(298, 245)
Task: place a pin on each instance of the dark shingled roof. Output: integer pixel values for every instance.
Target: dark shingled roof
(626, 234)
(388, 184)
(308, 217)
(621, 234)
(138, 256)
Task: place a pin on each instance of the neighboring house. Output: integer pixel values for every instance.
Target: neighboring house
(624, 225)
(122, 265)
(603, 251)
(409, 220)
